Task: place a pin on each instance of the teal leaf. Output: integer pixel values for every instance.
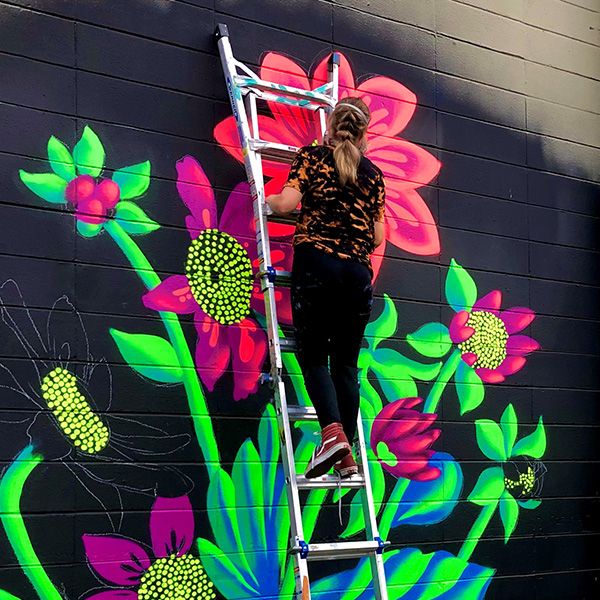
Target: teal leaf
(529, 504)
(370, 401)
(490, 439)
(48, 186)
(88, 154)
(508, 424)
(461, 291)
(89, 230)
(429, 502)
(133, 181)
(384, 326)
(533, 445)
(509, 513)
(133, 219)
(489, 487)
(432, 340)
(149, 355)
(469, 387)
(60, 159)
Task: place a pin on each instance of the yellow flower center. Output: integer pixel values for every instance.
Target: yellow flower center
(73, 412)
(219, 273)
(526, 480)
(176, 578)
(488, 342)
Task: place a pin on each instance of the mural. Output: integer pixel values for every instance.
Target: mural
(239, 550)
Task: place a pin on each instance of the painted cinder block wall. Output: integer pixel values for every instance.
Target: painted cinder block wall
(506, 128)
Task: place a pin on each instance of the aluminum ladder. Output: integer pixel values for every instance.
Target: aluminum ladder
(244, 88)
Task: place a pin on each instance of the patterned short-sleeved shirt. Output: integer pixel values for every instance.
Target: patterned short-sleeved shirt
(337, 219)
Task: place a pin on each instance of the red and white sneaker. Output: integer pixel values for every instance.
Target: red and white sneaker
(334, 446)
(346, 467)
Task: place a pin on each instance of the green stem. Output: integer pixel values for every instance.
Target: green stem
(197, 403)
(443, 377)
(477, 530)
(6, 596)
(11, 490)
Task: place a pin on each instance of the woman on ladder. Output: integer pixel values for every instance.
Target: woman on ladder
(340, 224)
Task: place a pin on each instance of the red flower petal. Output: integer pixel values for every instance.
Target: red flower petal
(517, 318)
(171, 526)
(407, 165)
(469, 358)
(458, 332)
(490, 302)
(249, 347)
(520, 345)
(91, 210)
(490, 375)
(409, 223)
(197, 194)
(511, 364)
(345, 76)
(212, 349)
(392, 105)
(377, 258)
(115, 559)
(172, 295)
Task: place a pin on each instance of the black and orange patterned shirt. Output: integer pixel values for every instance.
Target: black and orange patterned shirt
(337, 219)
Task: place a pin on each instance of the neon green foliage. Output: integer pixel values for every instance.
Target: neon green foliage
(469, 387)
(60, 159)
(432, 340)
(133, 219)
(47, 186)
(88, 154)
(461, 290)
(133, 181)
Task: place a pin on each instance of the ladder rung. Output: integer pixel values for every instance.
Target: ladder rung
(287, 344)
(273, 151)
(309, 99)
(340, 550)
(302, 413)
(330, 482)
(277, 277)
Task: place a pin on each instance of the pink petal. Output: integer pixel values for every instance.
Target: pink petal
(171, 526)
(489, 375)
(345, 76)
(511, 364)
(228, 138)
(117, 560)
(298, 125)
(520, 345)
(114, 595)
(426, 474)
(517, 318)
(392, 105)
(172, 295)
(377, 259)
(409, 222)
(91, 210)
(249, 350)
(197, 194)
(212, 349)
(490, 302)
(469, 358)
(405, 164)
(458, 332)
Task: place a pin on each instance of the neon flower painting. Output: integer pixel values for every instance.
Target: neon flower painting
(218, 286)
(172, 575)
(405, 165)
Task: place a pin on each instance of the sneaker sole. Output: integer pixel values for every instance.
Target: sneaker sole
(324, 463)
(347, 472)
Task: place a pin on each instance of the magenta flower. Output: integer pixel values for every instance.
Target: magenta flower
(401, 440)
(172, 574)
(486, 337)
(92, 201)
(218, 286)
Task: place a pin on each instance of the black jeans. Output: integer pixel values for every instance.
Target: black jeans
(331, 305)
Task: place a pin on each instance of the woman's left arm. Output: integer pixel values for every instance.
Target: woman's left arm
(284, 202)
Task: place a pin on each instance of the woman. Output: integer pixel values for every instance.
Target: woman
(341, 222)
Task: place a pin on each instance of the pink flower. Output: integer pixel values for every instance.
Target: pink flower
(401, 440)
(218, 285)
(92, 201)
(406, 166)
(126, 563)
(486, 337)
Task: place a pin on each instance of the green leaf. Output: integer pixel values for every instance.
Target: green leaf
(60, 159)
(48, 186)
(533, 445)
(384, 326)
(89, 230)
(490, 439)
(149, 355)
(432, 340)
(461, 291)
(370, 400)
(6, 596)
(89, 154)
(133, 219)
(469, 387)
(508, 424)
(529, 504)
(133, 181)
(509, 513)
(489, 487)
